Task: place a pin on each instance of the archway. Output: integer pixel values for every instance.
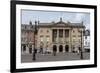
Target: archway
(41, 50)
(30, 49)
(60, 48)
(24, 47)
(79, 48)
(54, 48)
(66, 48)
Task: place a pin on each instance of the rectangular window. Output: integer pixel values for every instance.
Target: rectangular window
(47, 31)
(47, 38)
(73, 31)
(79, 35)
(54, 35)
(73, 40)
(66, 33)
(74, 35)
(61, 33)
(41, 37)
(79, 31)
(79, 40)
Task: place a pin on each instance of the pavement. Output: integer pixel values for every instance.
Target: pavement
(27, 58)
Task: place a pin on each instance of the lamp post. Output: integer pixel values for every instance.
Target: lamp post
(35, 33)
(81, 57)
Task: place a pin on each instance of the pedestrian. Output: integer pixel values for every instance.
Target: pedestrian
(41, 50)
(78, 50)
(34, 54)
(54, 51)
(35, 50)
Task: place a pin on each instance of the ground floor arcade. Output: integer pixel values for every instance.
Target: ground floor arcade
(28, 49)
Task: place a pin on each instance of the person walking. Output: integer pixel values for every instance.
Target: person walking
(54, 51)
(41, 50)
(78, 50)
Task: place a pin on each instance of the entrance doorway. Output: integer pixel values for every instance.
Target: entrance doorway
(60, 48)
(54, 48)
(66, 48)
(24, 47)
(30, 49)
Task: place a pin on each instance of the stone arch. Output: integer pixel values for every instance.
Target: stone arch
(60, 48)
(66, 48)
(54, 48)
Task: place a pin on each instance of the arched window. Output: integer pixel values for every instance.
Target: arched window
(66, 48)
(54, 48)
(60, 48)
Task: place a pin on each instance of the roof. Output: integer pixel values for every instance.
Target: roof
(61, 24)
(54, 24)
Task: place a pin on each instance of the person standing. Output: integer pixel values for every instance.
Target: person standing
(54, 51)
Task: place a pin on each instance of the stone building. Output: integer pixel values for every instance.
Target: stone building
(62, 36)
(27, 39)
(87, 40)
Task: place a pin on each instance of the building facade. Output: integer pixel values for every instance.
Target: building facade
(62, 36)
(87, 41)
(27, 39)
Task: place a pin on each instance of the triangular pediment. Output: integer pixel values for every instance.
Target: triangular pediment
(60, 23)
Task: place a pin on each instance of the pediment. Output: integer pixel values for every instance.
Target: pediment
(61, 23)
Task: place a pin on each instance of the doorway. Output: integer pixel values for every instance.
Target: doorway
(66, 48)
(54, 48)
(30, 49)
(60, 48)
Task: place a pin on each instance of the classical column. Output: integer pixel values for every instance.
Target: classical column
(57, 48)
(64, 48)
(63, 35)
(32, 48)
(27, 49)
(82, 41)
(70, 41)
(57, 35)
(57, 40)
(63, 40)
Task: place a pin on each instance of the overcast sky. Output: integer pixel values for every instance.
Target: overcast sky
(49, 16)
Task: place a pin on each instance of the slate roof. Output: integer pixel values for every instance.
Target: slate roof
(53, 24)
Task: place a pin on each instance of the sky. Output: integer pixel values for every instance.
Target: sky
(49, 16)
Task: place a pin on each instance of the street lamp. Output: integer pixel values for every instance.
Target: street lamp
(35, 33)
(81, 57)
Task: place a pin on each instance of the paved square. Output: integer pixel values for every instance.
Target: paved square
(49, 57)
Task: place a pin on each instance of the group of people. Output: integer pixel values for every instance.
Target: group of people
(76, 50)
(41, 51)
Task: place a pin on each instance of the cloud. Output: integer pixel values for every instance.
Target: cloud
(79, 17)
